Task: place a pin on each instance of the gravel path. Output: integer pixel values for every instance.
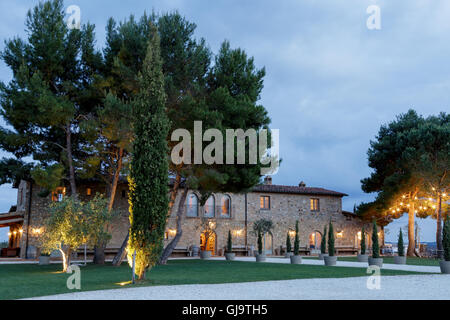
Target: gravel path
(428, 287)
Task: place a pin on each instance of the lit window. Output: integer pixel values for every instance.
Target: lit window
(192, 206)
(209, 207)
(264, 202)
(88, 191)
(225, 206)
(315, 204)
(58, 194)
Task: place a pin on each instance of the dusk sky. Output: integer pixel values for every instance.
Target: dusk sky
(330, 84)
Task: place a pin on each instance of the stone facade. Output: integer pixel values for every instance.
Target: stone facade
(285, 206)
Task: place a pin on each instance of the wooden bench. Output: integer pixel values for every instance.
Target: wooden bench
(346, 250)
(302, 251)
(239, 250)
(182, 251)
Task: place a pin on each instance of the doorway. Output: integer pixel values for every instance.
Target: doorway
(315, 239)
(268, 243)
(209, 245)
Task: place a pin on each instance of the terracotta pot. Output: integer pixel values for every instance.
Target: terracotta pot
(330, 261)
(322, 255)
(43, 260)
(260, 257)
(230, 256)
(363, 257)
(399, 260)
(376, 262)
(296, 259)
(205, 254)
(445, 266)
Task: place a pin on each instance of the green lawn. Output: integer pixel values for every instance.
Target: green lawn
(27, 280)
(414, 261)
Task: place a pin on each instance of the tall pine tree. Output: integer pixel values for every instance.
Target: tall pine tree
(149, 166)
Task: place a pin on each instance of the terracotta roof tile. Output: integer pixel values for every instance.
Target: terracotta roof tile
(272, 188)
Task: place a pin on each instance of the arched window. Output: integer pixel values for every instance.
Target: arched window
(192, 205)
(210, 205)
(225, 206)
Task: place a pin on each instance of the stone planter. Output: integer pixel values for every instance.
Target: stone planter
(399, 260)
(445, 266)
(205, 254)
(376, 262)
(230, 256)
(288, 254)
(363, 257)
(296, 259)
(322, 255)
(260, 257)
(330, 261)
(43, 260)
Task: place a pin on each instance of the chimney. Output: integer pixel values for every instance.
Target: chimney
(302, 184)
(268, 180)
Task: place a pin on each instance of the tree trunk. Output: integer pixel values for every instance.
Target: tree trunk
(168, 250)
(73, 186)
(122, 252)
(65, 253)
(439, 227)
(99, 249)
(411, 237)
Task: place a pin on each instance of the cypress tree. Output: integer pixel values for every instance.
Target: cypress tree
(330, 240)
(229, 242)
(288, 243)
(323, 242)
(260, 242)
(375, 245)
(149, 166)
(401, 249)
(296, 241)
(363, 241)
(446, 240)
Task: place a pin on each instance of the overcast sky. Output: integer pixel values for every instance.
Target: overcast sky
(330, 81)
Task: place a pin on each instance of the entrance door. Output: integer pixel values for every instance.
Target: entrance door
(211, 243)
(315, 239)
(267, 243)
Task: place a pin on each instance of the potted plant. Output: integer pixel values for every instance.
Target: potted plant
(445, 264)
(330, 260)
(363, 257)
(44, 258)
(323, 244)
(288, 246)
(229, 255)
(296, 259)
(375, 259)
(260, 257)
(400, 258)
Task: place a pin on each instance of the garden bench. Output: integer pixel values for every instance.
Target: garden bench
(182, 251)
(346, 250)
(239, 250)
(305, 251)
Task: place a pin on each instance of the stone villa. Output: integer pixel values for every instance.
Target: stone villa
(283, 205)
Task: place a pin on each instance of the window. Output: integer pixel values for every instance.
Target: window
(264, 202)
(166, 235)
(209, 207)
(225, 206)
(192, 206)
(88, 191)
(58, 194)
(315, 204)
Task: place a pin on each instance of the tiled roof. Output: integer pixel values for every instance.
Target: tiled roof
(273, 188)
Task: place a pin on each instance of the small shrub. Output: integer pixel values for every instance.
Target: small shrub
(323, 242)
(288, 243)
(446, 240)
(375, 245)
(260, 242)
(297, 240)
(363, 241)
(229, 243)
(401, 249)
(331, 240)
